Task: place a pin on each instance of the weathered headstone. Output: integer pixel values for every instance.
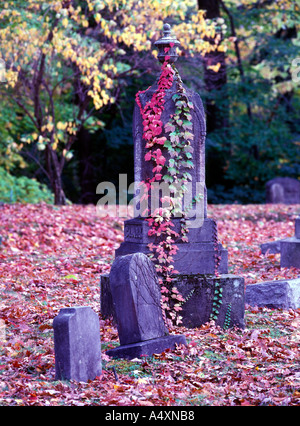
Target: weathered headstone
(77, 344)
(136, 297)
(289, 248)
(281, 294)
(283, 190)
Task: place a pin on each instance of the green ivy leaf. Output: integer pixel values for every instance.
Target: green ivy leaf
(187, 125)
(172, 170)
(169, 127)
(188, 135)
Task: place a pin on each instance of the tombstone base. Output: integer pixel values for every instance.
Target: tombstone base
(290, 252)
(147, 347)
(197, 256)
(272, 247)
(201, 296)
(210, 297)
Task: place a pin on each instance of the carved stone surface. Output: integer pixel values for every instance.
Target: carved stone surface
(136, 297)
(142, 168)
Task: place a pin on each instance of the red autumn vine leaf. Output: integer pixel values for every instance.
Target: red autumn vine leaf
(148, 156)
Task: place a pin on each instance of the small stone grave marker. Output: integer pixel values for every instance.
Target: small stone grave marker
(283, 190)
(77, 344)
(136, 298)
(289, 248)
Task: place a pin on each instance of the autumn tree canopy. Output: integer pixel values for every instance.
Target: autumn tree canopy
(65, 61)
(68, 64)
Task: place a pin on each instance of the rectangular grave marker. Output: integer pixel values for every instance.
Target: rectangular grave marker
(77, 344)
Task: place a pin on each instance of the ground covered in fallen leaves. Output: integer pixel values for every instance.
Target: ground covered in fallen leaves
(52, 257)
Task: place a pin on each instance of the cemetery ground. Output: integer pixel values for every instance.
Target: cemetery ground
(52, 257)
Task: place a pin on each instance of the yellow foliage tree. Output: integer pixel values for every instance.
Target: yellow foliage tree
(65, 60)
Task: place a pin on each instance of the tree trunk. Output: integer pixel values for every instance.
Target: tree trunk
(54, 173)
(216, 119)
(59, 195)
(86, 168)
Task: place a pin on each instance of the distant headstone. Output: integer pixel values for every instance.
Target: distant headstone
(136, 297)
(77, 344)
(289, 248)
(284, 294)
(290, 253)
(283, 190)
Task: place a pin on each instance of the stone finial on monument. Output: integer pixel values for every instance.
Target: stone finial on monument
(77, 344)
(136, 297)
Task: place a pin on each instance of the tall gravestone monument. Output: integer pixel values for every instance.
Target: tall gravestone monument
(201, 259)
(198, 255)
